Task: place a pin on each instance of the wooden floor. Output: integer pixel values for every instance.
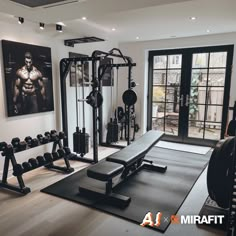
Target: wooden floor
(40, 214)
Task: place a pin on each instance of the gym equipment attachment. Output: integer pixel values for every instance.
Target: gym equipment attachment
(8, 152)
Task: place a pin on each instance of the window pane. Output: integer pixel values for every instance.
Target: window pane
(158, 110)
(199, 77)
(173, 77)
(216, 77)
(171, 126)
(196, 112)
(214, 113)
(198, 95)
(159, 77)
(174, 61)
(158, 124)
(172, 94)
(200, 60)
(212, 131)
(160, 62)
(215, 95)
(218, 59)
(158, 94)
(195, 129)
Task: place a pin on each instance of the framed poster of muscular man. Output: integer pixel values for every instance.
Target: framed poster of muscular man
(28, 78)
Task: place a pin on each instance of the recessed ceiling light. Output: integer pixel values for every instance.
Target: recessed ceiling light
(208, 31)
(20, 20)
(137, 38)
(173, 36)
(193, 18)
(41, 25)
(84, 18)
(113, 29)
(60, 23)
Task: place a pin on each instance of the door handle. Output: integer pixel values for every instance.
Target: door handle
(187, 100)
(181, 100)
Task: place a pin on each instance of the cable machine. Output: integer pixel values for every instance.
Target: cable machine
(129, 94)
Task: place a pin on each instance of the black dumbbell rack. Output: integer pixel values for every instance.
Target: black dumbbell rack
(231, 227)
(9, 154)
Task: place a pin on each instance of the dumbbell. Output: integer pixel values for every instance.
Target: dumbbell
(41, 160)
(28, 140)
(53, 131)
(3, 146)
(18, 170)
(27, 166)
(61, 135)
(48, 157)
(34, 163)
(48, 135)
(34, 142)
(61, 153)
(42, 140)
(55, 156)
(16, 143)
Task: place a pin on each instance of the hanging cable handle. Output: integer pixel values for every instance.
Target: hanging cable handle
(76, 97)
(83, 108)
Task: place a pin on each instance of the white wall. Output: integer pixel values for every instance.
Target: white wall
(31, 125)
(139, 52)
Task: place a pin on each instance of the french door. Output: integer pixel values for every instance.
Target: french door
(188, 93)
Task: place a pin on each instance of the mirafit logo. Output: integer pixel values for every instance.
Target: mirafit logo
(155, 221)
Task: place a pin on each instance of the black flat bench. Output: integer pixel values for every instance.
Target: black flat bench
(120, 165)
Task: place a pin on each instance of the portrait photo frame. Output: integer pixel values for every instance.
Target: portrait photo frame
(28, 78)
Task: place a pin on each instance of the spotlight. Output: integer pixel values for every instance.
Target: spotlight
(41, 25)
(59, 28)
(20, 20)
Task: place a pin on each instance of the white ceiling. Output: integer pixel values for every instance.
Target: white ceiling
(148, 19)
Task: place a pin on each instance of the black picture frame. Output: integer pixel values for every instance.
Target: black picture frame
(28, 90)
(79, 71)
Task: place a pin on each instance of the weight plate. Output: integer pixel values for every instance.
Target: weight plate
(219, 171)
(129, 97)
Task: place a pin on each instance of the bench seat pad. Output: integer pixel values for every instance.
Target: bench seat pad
(138, 149)
(104, 170)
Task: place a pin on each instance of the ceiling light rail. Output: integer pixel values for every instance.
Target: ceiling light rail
(72, 42)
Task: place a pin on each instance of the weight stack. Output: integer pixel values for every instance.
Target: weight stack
(112, 132)
(81, 141)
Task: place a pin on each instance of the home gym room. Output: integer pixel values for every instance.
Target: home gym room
(117, 117)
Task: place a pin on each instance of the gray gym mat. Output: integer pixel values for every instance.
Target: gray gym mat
(150, 191)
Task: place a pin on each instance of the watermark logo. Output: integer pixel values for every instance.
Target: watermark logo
(152, 220)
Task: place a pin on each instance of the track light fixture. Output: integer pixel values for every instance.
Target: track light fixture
(41, 25)
(20, 20)
(59, 28)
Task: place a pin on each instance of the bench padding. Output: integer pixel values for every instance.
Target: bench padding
(104, 170)
(137, 149)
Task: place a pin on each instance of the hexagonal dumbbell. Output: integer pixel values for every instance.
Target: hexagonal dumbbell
(67, 150)
(34, 142)
(48, 157)
(61, 135)
(28, 140)
(34, 163)
(41, 160)
(27, 166)
(3, 146)
(17, 144)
